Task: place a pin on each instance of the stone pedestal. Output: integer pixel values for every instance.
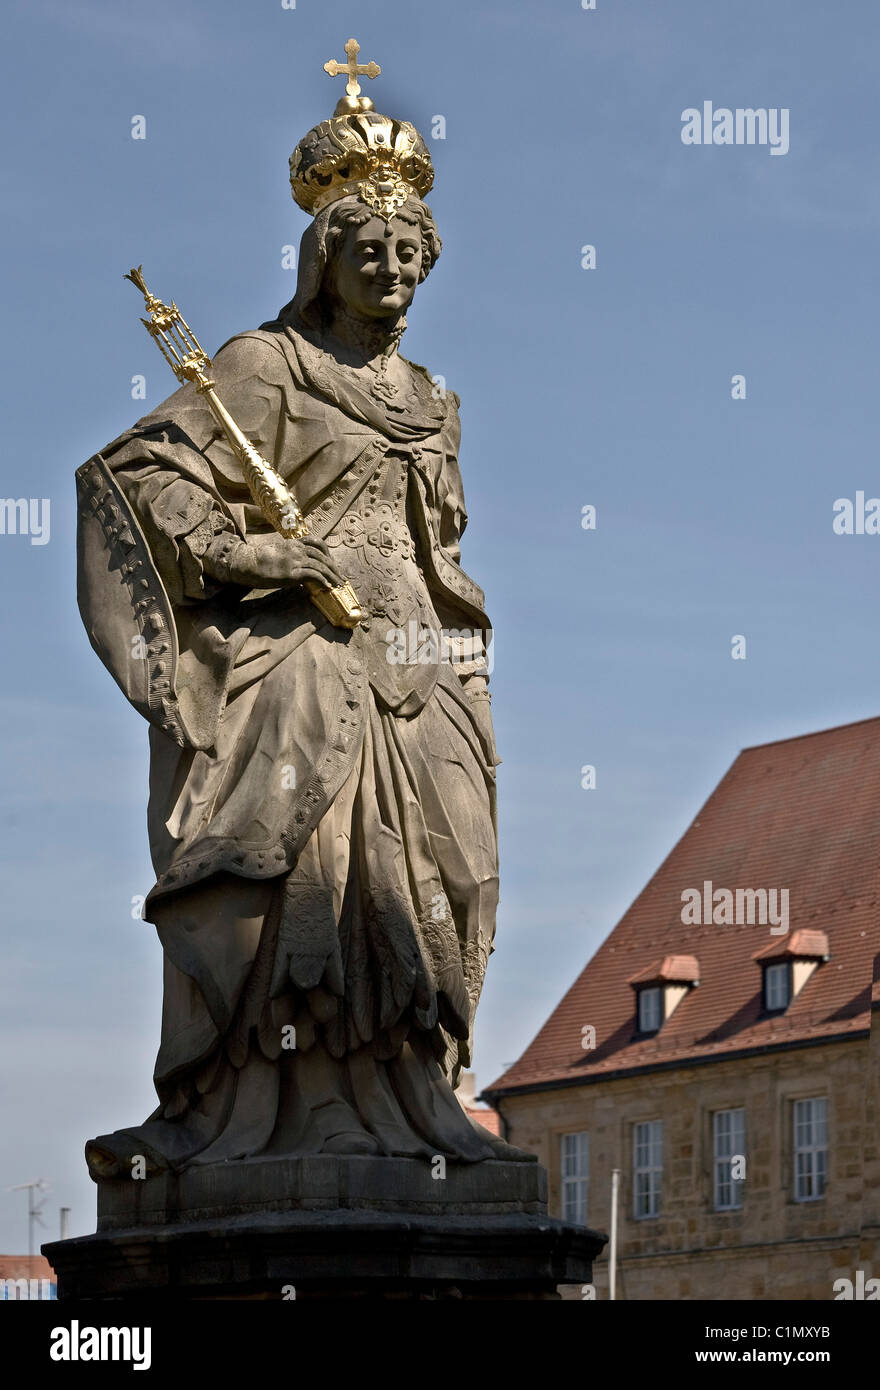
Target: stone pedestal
(327, 1227)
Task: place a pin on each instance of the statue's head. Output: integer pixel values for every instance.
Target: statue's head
(374, 264)
(370, 265)
(362, 176)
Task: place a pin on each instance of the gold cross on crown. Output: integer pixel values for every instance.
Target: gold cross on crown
(353, 68)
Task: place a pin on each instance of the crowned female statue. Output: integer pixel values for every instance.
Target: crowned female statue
(322, 806)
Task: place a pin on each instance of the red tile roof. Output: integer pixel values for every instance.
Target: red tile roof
(683, 970)
(800, 945)
(489, 1119)
(801, 814)
(25, 1267)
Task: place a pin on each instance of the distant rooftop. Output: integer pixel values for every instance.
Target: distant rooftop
(801, 814)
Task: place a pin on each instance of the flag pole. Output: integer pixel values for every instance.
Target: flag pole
(612, 1250)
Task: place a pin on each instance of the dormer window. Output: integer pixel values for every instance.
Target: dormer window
(660, 988)
(777, 987)
(788, 964)
(650, 1009)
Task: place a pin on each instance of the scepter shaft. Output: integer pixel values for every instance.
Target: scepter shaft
(267, 487)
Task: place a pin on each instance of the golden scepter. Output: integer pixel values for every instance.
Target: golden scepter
(189, 362)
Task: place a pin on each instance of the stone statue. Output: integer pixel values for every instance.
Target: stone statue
(322, 799)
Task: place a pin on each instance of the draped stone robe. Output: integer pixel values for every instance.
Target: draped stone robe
(322, 818)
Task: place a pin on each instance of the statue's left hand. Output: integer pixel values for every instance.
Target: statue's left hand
(272, 560)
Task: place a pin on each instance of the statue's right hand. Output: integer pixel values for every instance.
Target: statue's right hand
(270, 561)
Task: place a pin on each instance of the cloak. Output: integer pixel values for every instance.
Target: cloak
(150, 505)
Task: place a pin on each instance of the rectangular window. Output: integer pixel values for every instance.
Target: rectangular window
(650, 1009)
(729, 1151)
(575, 1177)
(647, 1167)
(810, 1148)
(776, 986)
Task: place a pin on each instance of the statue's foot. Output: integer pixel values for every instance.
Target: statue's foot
(351, 1142)
(509, 1153)
(122, 1155)
(334, 1127)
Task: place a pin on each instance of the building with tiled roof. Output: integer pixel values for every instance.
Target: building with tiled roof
(716, 1051)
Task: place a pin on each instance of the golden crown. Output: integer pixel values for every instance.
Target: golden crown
(357, 151)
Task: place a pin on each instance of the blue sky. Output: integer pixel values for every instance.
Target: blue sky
(609, 387)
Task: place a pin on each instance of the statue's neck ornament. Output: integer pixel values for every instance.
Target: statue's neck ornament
(376, 342)
(371, 338)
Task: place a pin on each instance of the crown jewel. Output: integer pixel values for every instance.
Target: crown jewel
(357, 151)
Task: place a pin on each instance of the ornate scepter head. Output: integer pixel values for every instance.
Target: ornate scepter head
(172, 334)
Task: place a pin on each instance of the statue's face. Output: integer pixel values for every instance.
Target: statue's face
(377, 268)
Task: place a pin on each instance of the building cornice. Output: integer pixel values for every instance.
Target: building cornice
(492, 1097)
